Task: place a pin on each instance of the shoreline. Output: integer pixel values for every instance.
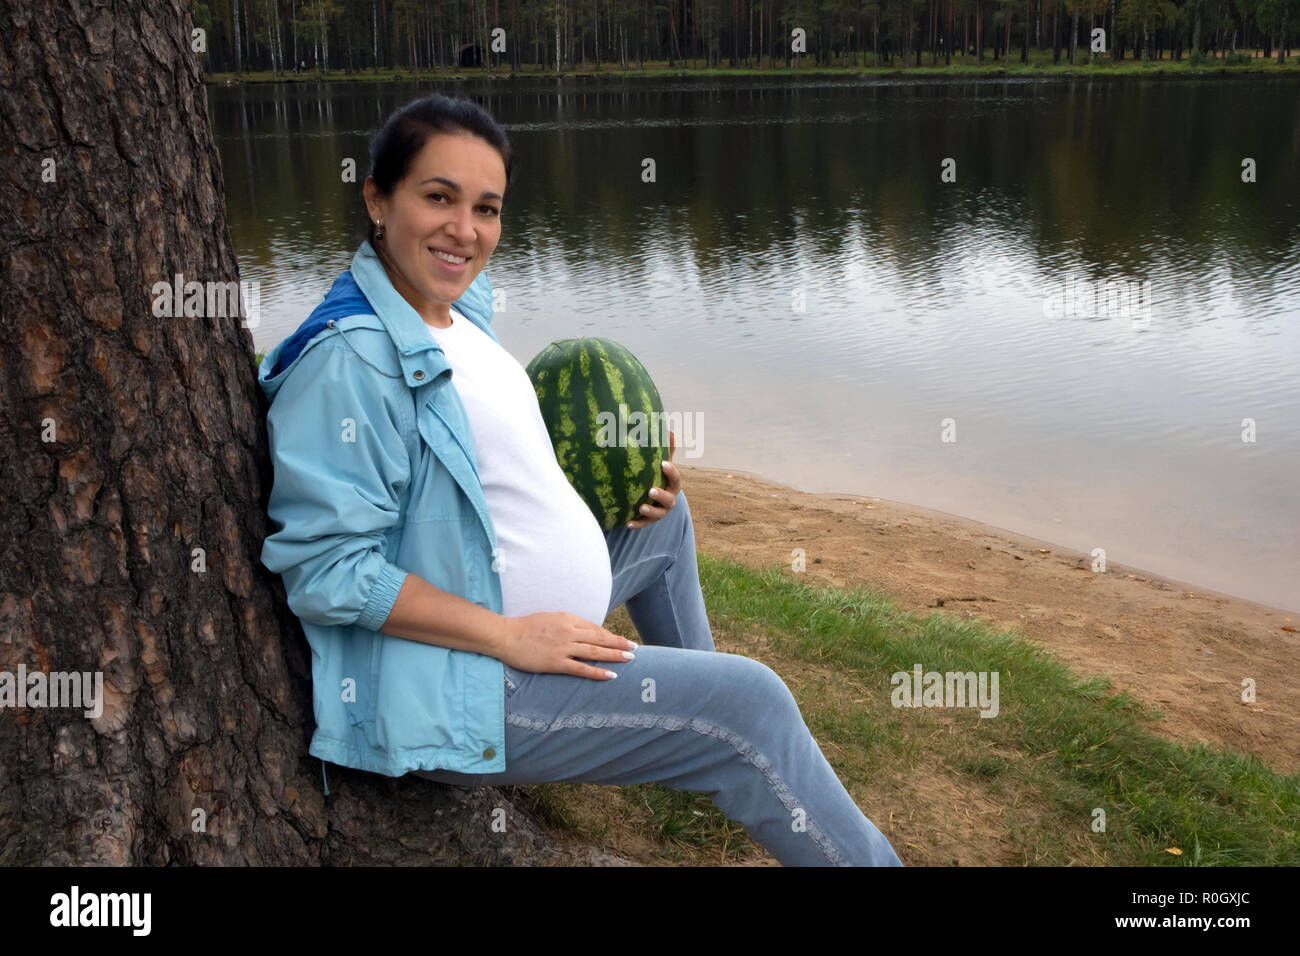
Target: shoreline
(1174, 646)
(1029, 541)
(1128, 69)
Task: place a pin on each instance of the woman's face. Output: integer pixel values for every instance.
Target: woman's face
(449, 201)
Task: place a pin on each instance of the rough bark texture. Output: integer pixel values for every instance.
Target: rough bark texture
(160, 449)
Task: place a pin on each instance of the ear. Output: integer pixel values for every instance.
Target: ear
(373, 199)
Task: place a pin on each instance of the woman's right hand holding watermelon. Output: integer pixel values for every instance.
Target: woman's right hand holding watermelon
(555, 642)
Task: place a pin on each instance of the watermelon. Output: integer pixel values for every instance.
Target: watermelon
(606, 423)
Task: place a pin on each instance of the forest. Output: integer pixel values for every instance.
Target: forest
(287, 36)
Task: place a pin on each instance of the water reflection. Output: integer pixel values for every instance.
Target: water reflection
(798, 273)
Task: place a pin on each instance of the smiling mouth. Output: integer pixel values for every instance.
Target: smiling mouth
(449, 257)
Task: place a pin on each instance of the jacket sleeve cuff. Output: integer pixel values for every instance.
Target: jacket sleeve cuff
(383, 595)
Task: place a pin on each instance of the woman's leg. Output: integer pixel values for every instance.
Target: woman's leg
(703, 721)
(656, 575)
(686, 716)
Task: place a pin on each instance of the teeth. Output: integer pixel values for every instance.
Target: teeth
(450, 258)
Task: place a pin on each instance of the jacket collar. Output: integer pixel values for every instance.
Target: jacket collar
(421, 357)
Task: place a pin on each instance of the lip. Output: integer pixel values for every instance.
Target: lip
(450, 267)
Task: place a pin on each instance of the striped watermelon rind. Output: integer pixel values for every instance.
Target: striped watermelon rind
(577, 379)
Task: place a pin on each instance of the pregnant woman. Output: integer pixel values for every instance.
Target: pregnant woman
(451, 582)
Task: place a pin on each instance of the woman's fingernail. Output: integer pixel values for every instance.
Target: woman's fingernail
(611, 674)
(628, 655)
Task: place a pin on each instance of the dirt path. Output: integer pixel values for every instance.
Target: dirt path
(1182, 649)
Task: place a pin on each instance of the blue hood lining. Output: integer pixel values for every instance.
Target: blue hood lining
(343, 299)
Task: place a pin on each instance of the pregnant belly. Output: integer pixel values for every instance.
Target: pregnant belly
(555, 559)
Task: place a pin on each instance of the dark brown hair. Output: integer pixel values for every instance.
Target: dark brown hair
(408, 128)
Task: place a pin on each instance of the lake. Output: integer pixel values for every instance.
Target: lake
(830, 313)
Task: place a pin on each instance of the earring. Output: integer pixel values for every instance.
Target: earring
(379, 229)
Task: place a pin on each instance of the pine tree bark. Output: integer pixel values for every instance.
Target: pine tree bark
(158, 449)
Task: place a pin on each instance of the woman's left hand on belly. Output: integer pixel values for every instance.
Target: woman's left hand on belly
(666, 497)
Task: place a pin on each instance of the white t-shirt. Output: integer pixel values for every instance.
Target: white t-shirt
(551, 550)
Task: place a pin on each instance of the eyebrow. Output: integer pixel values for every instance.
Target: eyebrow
(456, 186)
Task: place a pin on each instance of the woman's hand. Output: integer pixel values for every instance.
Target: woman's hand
(666, 497)
(550, 642)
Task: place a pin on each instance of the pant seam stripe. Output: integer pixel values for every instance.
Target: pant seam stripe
(746, 750)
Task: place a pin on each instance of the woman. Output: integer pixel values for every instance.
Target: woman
(450, 580)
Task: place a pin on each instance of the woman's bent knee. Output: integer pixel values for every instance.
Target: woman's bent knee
(756, 693)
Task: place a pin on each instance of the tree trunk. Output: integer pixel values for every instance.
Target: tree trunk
(559, 52)
(947, 37)
(131, 441)
(1281, 39)
(1113, 37)
(239, 47)
(1056, 33)
(1024, 42)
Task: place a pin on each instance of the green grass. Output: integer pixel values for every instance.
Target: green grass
(1059, 747)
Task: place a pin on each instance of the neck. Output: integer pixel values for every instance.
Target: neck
(433, 313)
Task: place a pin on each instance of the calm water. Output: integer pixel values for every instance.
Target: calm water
(922, 300)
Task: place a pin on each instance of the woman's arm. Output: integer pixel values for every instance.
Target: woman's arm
(547, 642)
(431, 615)
(341, 464)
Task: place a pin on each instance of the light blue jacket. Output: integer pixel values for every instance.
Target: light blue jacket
(375, 478)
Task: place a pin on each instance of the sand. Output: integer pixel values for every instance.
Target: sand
(1182, 649)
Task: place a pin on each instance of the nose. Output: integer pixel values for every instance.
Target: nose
(462, 226)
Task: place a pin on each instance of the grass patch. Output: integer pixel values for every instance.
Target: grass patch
(946, 785)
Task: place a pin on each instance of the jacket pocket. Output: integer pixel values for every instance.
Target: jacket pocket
(513, 680)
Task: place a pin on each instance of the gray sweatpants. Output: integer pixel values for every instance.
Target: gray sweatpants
(684, 715)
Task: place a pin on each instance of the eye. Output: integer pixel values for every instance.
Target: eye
(436, 196)
(492, 209)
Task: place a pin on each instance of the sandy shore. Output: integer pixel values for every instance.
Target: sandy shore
(1182, 649)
